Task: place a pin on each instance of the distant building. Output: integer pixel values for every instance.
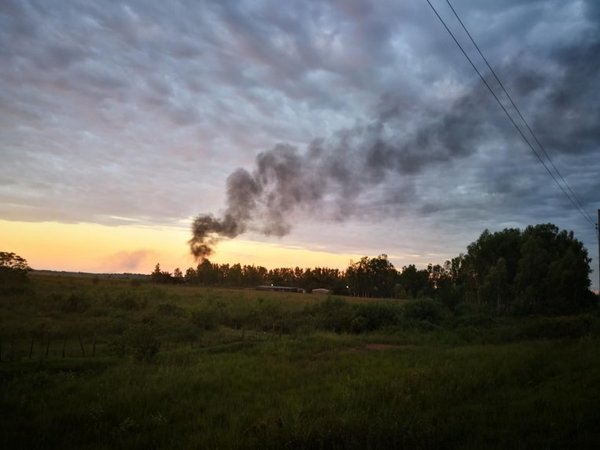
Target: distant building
(281, 289)
(322, 291)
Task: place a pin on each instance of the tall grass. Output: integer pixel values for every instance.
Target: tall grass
(287, 371)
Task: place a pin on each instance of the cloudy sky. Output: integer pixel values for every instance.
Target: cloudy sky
(333, 129)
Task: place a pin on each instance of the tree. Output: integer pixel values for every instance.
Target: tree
(190, 276)
(372, 277)
(442, 280)
(208, 273)
(495, 289)
(416, 283)
(485, 252)
(12, 261)
(159, 276)
(254, 275)
(177, 275)
(235, 275)
(553, 271)
(539, 270)
(156, 274)
(13, 272)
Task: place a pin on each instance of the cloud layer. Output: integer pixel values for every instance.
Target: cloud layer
(271, 114)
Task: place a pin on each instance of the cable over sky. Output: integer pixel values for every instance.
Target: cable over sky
(546, 161)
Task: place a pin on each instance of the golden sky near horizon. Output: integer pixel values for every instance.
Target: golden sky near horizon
(86, 247)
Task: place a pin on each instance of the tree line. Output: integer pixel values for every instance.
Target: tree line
(237, 275)
(537, 270)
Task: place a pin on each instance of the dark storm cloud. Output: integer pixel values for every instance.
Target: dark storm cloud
(570, 123)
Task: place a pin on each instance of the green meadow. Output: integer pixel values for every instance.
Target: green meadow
(96, 363)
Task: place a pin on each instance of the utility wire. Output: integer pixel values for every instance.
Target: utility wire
(573, 195)
(506, 112)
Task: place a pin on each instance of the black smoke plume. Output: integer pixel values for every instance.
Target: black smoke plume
(332, 174)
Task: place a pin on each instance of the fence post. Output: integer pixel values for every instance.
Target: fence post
(81, 345)
(31, 346)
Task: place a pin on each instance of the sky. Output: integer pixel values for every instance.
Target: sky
(325, 130)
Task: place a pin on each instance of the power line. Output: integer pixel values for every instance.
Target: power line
(573, 195)
(507, 113)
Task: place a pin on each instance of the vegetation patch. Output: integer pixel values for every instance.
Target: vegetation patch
(463, 355)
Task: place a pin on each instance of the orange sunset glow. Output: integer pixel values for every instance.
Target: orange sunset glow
(136, 249)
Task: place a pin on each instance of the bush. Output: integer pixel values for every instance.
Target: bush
(474, 320)
(205, 319)
(424, 310)
(372, 316)
(556, 328)
(140, 341)
(333, 314)
(168, 309)
(74, 303)
(128, 301)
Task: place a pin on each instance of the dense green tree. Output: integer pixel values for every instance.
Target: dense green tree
(254, 275)
(443, 285)
(13, 272)
(208, 273)
(540, 270)
(485, 252)
(372, 277)
(414, 282)
(495, 290)
(177, 275)
(235, 276)
(553, 271)
(14, 262)
(323, 277)
(190, 276)
(160, 276)
(283, 276)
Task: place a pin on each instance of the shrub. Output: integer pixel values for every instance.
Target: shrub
(556, 328)
(423, 310)
(205, 319)
(474, 320)
(128, 301)
(333, 314)
(359, 324)
(74, 303)
(372, 316)
(168, 309)
(140, 341)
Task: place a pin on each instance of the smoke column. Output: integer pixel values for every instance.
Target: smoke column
(401, 141)
(335, 171)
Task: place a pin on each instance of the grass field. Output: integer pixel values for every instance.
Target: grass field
(96, 364)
